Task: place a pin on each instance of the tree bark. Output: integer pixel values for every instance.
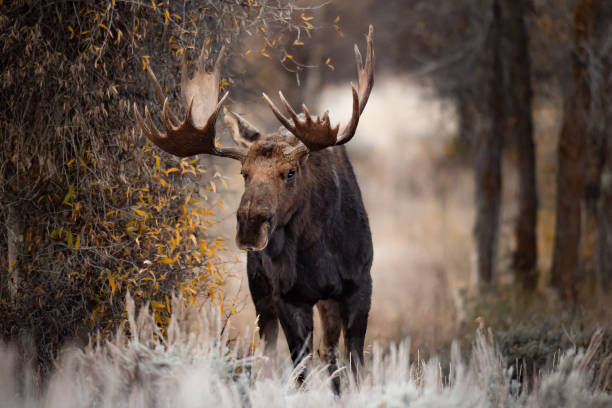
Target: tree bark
(571, 161)
(604, 226)
(14, 234)
(602, 34)
(519, 124)
(488, 159)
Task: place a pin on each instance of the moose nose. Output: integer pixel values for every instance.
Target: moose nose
(253, 230)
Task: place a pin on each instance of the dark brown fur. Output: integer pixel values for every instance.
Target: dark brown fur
(319, 248)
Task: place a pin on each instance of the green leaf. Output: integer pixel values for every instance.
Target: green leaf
(69, 195)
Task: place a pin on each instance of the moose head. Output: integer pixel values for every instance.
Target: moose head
(274, 166)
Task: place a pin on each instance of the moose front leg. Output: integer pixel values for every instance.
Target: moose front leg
(296, 321)
(355, 312)
(262, 293)
(267, 320)
(331, 320)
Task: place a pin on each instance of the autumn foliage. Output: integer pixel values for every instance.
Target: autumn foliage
(91, 210)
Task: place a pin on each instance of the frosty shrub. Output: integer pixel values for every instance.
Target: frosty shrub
(196, 365)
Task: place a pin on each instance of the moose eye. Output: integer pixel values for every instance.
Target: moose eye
(290, 174)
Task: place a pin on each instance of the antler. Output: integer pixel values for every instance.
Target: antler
(317, 134)
(196, 133)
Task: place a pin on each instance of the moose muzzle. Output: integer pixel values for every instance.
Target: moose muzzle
(255, 223)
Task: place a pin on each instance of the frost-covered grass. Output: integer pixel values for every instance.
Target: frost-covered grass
(196, 365)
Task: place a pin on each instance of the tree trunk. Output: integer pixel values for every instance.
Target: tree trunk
(519, 125)
(595, 152)
(604, 226)
(14, 235)
(571, 161)
(602, 34)
(487, 161)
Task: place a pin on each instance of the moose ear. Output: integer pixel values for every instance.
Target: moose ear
(243, 133)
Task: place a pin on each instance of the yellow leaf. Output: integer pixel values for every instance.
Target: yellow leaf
(154, 6)
(166, 16)
(69, 194)
(112, 283)
(157, 305)
(297, 42)
(157, 162)
(69, 239)
(119, 34)
(165, 260)
(306, 18)
(140, 212)
(77, 244)
(70, 162)
(167, 304)
(213, 185)
(145, 60)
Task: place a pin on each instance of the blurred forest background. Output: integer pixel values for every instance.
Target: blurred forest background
(483, 157)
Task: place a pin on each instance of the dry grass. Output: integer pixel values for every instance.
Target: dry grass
(197, 365)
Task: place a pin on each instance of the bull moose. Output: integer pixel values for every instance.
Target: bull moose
(301, 218)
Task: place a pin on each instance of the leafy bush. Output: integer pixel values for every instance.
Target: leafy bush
(90, 209)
